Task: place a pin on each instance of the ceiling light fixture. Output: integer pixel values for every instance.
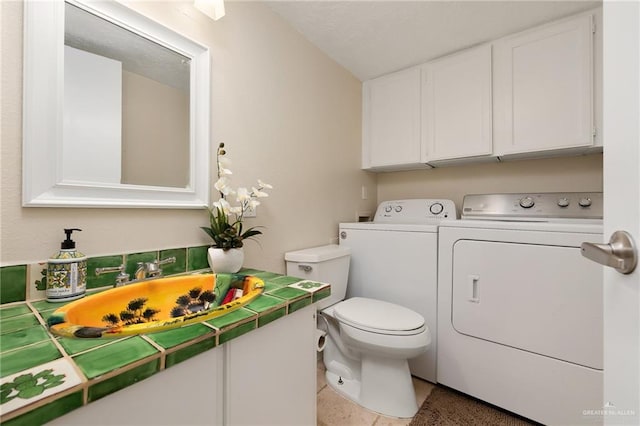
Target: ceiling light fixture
(214, 9)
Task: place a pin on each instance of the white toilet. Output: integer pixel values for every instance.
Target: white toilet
(369, 341)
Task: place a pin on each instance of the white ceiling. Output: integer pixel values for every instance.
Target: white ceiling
(372, 38)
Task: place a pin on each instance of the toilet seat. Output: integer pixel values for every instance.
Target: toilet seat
(377, 316)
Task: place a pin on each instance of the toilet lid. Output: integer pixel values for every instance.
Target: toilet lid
(378, 317)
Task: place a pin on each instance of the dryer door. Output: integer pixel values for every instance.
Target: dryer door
(542, 299)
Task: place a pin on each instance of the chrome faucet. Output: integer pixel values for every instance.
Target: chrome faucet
(121, 279)
(144, 270)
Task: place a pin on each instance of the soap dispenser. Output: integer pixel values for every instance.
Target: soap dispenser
(66, 272)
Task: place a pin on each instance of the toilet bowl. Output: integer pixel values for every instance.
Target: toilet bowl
(369, 341)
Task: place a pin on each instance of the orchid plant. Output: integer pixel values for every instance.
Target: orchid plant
(226, 227)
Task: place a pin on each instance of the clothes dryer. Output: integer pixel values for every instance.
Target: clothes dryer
(520, 312)
(395, 258)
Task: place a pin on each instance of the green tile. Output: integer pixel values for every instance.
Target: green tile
(177, 267)
(18, 323)
(289, 293)
(268, 317)
(95, 281)
(47, 412)
(197, 258)
(266, 275)
(237, 332)
(285, 280)
(170, 338)
(24, 337)
(119, 354)
(12, 311)
(231, 318)
(13, 283)
(123, 380)
(264, 303)
(321, 294)
(299, 304)
(27, 357)
(190, 351)
(133, 259)
(75, 346)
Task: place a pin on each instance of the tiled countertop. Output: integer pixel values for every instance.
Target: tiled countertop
(43, 376)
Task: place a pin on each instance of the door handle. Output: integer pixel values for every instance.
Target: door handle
(620, 253)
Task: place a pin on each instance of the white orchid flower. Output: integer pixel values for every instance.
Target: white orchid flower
(223, 205)
(264, 184)
(258, 193)
(242, 195)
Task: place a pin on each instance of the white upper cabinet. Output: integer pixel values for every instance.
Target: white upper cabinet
(456, 102)
(391, 121)
(544, 88)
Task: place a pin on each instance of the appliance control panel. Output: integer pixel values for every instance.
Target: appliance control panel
(415, 211)
(532, 206)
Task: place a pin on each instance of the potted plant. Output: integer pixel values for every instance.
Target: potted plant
(226, 221)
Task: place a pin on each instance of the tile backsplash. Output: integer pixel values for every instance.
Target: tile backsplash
(28, 282)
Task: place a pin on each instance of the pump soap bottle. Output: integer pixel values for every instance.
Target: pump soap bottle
(66, 272)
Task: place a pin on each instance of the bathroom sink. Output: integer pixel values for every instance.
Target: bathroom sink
(154, 305)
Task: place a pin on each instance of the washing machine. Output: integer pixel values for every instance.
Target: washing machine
(395, 258)
(520, 312)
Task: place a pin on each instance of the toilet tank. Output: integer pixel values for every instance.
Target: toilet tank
(325, 264)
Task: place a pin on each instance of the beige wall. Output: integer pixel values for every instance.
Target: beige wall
(569, 174)
(287, 113)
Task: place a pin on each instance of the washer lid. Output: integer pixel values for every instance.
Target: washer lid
(377, 316)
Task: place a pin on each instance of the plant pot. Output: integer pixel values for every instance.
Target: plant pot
(225, 261)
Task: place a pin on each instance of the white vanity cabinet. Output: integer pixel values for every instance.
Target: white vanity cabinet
(544, 88)
(391, 121)
(456, 106)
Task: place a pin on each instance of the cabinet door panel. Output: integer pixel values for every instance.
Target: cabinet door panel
(544, 88)
(392, 120)
(457, 106)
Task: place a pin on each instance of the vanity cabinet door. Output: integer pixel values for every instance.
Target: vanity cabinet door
(391, 121)
(456, 99)
(543, 88)
(270, 373)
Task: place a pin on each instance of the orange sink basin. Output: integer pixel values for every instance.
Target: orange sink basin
(154, 305)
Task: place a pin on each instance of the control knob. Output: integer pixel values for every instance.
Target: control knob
(563, 202)
(584, 202)
(527, 202)
(436, 208)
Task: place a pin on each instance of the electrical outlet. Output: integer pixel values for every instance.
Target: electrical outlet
(250, 212)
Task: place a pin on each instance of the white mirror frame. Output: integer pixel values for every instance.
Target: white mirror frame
(43, 107)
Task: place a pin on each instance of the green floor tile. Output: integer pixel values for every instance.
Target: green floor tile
(47, 412)
(18, 323)
(12, 311)
(171, 338)
(231, 318)
(123, 380)
(119, 354)
(27, 357)
(24, 337)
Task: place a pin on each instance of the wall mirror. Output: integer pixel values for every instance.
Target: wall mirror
(116, 109)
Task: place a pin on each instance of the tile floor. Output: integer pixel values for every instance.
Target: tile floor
(335, 410)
